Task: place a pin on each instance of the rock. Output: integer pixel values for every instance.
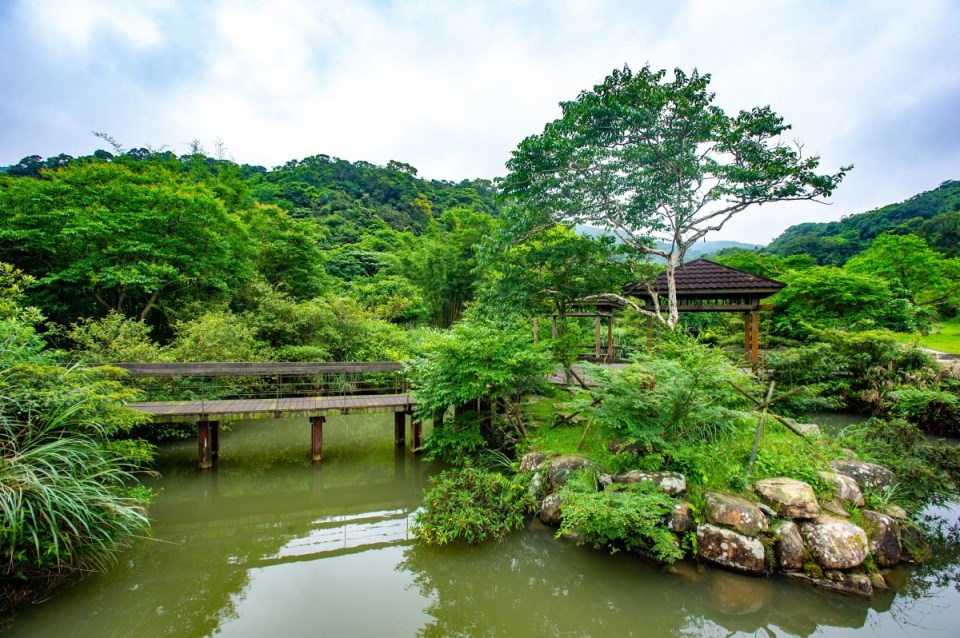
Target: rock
(604, 480)
(867, 475)
(767, 510)
(681, 519)
(846, 487)
(562, 467)
(531, 461)
(788, 546)
(835, 507)
(789, 497)
(877, 581)
(728, 548)
(850, 584)
(736, 513)
(883, 536)
(622, 446)
(550, 510)
(896, 512)
(537, 484)
(672, 483)
(836, 543)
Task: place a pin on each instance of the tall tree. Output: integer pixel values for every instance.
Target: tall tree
(124, 237)
(643, 155)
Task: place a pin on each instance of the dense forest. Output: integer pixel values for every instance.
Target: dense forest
(142, 255)
(933, 215)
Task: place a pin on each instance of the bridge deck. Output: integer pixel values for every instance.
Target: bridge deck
(175, 411)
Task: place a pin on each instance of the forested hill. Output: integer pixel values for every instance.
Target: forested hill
(934, 215)
(339, 193)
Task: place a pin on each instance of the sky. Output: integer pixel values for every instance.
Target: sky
(452, 87)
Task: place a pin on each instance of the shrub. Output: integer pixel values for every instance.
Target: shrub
(630, 517)
(471, 505)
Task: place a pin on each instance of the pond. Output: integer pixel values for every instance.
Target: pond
(268, 544)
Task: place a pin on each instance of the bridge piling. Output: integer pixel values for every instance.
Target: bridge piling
(400, 429)
(316, 447)
(203, 444)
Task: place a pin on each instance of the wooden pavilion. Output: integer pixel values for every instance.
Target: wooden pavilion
(706, 286)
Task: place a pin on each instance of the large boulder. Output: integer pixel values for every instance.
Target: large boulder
(732, 550)
(561, 468)
(788, 546)
(847, 490)
(883, 536)
(836, 543)
(735, 512)
(789, 497)
(672, 483)
(867, 475)
(681, 518)
(531, 461)
(550, 510)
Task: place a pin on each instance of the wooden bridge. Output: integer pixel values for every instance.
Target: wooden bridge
(304, 394)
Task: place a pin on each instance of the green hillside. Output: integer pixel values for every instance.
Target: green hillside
(934, 215)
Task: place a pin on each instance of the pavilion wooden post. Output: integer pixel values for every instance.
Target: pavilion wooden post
(400, 428)
(316, 439)
(610, 337)
(553, 326)
(215, 439)
(751, 336)
(536, 330)
(596, 332)
(203, 444)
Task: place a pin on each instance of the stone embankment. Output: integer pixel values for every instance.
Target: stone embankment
(836, 544)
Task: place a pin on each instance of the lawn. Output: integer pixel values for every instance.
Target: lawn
(945, 337)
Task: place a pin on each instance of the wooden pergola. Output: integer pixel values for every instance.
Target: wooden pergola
(598, 309)
(706, 286)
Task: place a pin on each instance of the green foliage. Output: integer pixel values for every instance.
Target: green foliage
(216, 336)
(471, 505)
(628, 516)
(681, 394)
(476, 359)
(907, 263)
(934, 411)
(926, 472)
(823, 297)
(117, 236)
(113, 339)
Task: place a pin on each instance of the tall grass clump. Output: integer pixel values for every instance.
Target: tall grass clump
(65, 498)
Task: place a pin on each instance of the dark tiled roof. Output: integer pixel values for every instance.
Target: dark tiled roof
(701, 275)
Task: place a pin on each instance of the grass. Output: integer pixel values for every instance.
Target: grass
(946, 337)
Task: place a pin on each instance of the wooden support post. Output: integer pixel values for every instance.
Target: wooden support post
(203, 443)
(416, 435)
(755, 338)
(553, 324)
(536, 330)
(596, 334)
(747, 346)
(215, 439)
(610, 338)
(399, 429)
(316, 447)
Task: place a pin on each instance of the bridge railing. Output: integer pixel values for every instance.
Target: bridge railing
(261, 380)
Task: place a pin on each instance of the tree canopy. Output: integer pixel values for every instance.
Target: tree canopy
(646, 156)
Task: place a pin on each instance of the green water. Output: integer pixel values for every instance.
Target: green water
(268, 544)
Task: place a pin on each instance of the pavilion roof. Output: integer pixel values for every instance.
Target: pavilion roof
(701, 277)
